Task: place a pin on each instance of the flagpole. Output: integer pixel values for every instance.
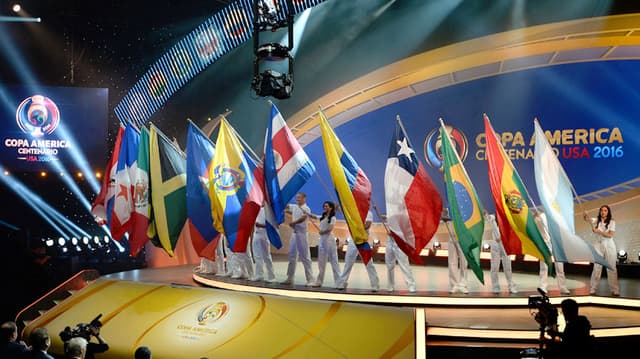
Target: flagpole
(200, 130)
(384, 222)
(212, 124)
(244, 143)
(159, 132)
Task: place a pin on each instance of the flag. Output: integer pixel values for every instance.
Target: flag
(518, 230)
(200, 151)
(103, 204)
(464, 206)
(352, 186)
(286, 169)
(236, 196)
(412, 200)
(140, 216)
(554, 189)
(126, 170)
(167, 167)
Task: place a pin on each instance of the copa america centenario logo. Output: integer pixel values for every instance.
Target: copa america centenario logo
(212, 313)
(433, 145)
(38, 116)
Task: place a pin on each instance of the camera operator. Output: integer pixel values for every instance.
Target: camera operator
(87, 331)
(576, 339)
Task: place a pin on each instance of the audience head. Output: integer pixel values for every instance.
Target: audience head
(142, 353)
(39, 339)
(76, 347)
(8, 332)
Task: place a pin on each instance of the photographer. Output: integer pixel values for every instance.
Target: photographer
(87, 331)
(576, 339)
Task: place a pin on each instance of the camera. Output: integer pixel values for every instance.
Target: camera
(542, 310)
(83, 330)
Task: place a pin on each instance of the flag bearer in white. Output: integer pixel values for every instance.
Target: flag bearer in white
(604, 227)
(298, 243)
(541, 222)
(261, 252)
(498, 255)
(327, 249)
(457, 263)
(350, 258)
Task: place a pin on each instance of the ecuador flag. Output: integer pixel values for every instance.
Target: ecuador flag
(518, 230)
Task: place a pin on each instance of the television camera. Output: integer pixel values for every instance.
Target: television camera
(84, 330)
(542, 310)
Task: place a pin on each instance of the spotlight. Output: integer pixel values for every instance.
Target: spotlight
(437, 245)
(16, 8)
(96, 240)
(267, 81)
(74, 241)
(61, 241)
(85, 240)
(49, 242)
(622, 256)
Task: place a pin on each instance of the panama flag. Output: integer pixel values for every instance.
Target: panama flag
(126, 170)
(286, 169)
(518, 230)
(103, 204)
(412, 200)
(352, 186)
(200, 151)
(555, 191)
(465, 208)
(235, 193)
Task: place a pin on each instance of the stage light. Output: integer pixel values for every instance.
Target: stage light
(106, 239)
(74, 241)
(437, 245)
(622, 256)
(6, 173)
(98, 175)
(61, 241)
(49, 242)
(43, 174)
(266, 80)
(79, 175)
(85, 240)
(16, 8)
(78, 249)
(96, 240)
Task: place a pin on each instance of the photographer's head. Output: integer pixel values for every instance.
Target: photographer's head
(569, 309)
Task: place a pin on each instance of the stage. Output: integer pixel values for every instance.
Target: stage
(428, 323)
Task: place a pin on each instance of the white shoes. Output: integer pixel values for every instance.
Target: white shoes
(412, 288)
(461, 289)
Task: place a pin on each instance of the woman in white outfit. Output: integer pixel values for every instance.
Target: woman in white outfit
(327, 249)
(605, 227)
